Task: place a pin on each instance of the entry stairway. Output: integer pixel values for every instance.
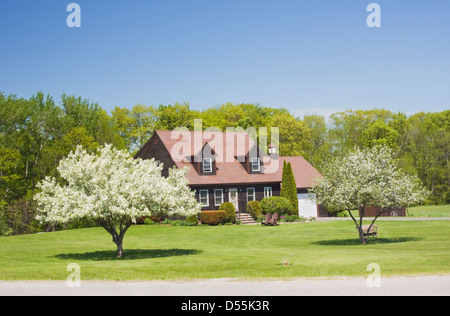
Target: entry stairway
(246, 219)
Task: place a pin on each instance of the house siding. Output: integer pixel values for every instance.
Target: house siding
(242, 193)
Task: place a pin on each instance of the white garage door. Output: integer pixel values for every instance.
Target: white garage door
(306, 206)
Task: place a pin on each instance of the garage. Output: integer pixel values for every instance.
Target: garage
(307, 206)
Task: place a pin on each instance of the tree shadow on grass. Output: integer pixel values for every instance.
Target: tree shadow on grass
(130, 254)
(372, 241)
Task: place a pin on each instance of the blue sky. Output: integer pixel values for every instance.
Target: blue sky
(312, 56)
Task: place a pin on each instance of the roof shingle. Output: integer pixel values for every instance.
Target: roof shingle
(182, 146)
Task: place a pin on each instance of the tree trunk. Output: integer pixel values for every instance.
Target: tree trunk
(364, 241)
(120, 249)
(117, 237)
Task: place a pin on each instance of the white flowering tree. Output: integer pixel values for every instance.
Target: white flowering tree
(115, 190)
(368, 177)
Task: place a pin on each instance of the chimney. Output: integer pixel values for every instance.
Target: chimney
(273, 151)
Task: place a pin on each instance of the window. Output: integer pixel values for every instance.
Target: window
(250, 194)
(218, 197)
(207, 165)
(256, 165)
(204, 197)
(267, 192)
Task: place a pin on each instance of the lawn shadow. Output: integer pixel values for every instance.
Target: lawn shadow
(129, 254)
(372, 241)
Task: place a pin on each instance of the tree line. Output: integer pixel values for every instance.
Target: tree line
(36, 133)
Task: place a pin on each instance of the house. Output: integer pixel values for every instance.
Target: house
(230, 167)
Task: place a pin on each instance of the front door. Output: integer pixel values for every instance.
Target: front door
(233, 198)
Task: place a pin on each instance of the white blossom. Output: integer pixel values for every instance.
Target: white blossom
(114, 189)
(367, 178)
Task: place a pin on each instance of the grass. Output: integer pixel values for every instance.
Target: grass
(430, 211)
(178, 253)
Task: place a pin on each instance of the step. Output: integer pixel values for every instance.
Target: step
(245, 218)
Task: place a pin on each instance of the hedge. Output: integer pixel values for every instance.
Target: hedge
(276, 204)
(213, 217)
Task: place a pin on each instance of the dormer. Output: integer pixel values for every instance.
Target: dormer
(205, 161)
(255, 165)
(254, 159)
(207, 166)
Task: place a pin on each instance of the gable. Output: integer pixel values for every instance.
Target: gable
(155, 149)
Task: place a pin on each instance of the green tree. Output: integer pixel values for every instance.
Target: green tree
(136, 126)
(123, 122)
(172, 116)
(289, 187)
(11, 186)
(379, 133)
(295, 135)
(348, 127)
(320, 146)
(428, 149)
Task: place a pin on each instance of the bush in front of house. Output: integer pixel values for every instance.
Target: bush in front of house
(229, 208)
(192, 220)
(254, 209)
(213, 217)
(291, 218)
(148, 221)
(276, 204)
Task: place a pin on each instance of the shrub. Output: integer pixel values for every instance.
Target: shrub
(20, 217)
(229, 208)
(260, 218)
(291, 218)
(276, 204)
(193, 220)
(180, 222)
(4, 229)
(254, 209)
(148, 221)
(213, 217)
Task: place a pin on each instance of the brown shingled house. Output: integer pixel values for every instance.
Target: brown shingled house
(229, 167)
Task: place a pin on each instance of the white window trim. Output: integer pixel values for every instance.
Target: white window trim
(253, 164)
(215, 197)
(254, 194)
(200, 197)
(210, 164)
(270, 190)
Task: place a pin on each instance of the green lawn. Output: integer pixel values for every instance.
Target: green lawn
(164, 252)
(430, 211)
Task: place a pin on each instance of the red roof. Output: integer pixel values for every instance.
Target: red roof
(228, 148)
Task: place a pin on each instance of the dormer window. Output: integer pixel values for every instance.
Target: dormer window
(256, 166)
(207, 165)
